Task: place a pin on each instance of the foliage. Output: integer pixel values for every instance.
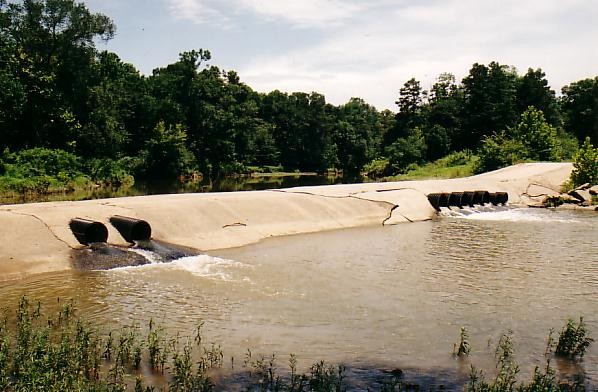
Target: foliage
(585, 165)
(377, 168)
(405, 151)
(457, 164)
(531, 139)
(499, 151)
(537, 136)
(573, 340)
(462, 349)
(580, 109)
(60, 351)
(41, 170)
(165, 154)
(506, 378)
(59, 92)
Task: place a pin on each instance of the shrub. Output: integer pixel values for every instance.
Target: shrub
(573, 340)
(110, 172)
(499, 151)
(377, 168)
(585, 165)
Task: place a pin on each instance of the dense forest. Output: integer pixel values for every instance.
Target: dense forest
(69, 112)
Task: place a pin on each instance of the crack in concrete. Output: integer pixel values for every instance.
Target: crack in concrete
(43, 223)
(236, 224)
(356, 196)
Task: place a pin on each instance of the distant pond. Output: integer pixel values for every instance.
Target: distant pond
(140, 188)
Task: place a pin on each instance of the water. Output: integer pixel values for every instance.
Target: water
(140, 188)
(376, 297)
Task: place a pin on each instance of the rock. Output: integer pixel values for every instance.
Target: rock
(583, 187)
(555, 201)
(594, 190)
(581, 195)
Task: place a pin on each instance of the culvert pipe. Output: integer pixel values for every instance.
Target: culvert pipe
(87, 231)
(443, 200)
(467, 198)
(499, 198)
(131, 229)
(455, 199)
(434, 199)
(481, 197)
(502, 197)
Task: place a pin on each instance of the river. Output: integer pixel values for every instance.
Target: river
(373, 298)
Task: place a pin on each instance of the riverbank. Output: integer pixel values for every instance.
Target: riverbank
(36, 237)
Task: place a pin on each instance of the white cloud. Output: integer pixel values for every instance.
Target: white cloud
(372, 57)
(305, 13)
(298, 13)
(197, 11)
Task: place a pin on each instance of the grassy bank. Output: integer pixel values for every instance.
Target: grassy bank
(63, 352)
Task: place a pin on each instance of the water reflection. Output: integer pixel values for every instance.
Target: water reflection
(140, 188)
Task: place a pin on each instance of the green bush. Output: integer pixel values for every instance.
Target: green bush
(377, 168)
(585, 165)
(499, 151)
(573, 340)
(107, 171)
(41, 170)
(532, 139)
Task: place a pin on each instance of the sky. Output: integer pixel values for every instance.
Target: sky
(358, 48)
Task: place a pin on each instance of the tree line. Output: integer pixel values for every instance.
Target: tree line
(64, 100)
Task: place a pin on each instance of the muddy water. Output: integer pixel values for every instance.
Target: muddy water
(382, 297)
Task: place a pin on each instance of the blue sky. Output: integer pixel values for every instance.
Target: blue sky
(358, 48)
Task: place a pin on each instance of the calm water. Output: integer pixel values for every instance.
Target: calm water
(160, 187)
(381, 297)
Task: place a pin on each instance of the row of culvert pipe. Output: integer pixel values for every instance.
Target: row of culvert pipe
(468, 198)
(131, 229)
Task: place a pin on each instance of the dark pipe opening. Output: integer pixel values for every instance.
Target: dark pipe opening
(455, 199)
(87, 231)
(443, 201)
(131, 229)
(502, 197)
(434, 199)
(467, 198)
(481, 197)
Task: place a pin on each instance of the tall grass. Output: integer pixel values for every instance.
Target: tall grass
(62, 352)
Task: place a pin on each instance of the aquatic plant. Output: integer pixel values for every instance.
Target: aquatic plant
(573, 340)
(463, 348)
(62, 352)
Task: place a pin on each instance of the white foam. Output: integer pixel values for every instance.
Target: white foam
(200, 265)
(512, 215)
(149, 255)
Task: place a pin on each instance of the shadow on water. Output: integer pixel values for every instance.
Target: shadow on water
(358, 377)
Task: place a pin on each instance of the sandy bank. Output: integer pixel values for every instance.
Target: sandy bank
(35, 238)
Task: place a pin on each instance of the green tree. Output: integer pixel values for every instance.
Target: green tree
(537, 137)
(580, 109)
(356, 135)
(533, 90)
(54, 48)
(410, 103)
(489, 103)
(165, 154)
(585, 165)
(406, 151)
(498, 151)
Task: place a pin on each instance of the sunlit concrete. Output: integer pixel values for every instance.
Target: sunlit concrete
(36, 238)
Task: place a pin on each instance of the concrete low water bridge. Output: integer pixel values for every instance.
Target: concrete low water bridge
(36, 238)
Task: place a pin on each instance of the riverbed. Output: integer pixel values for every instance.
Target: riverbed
(380, 297)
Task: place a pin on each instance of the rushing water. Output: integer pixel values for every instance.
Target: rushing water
(376, 297)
